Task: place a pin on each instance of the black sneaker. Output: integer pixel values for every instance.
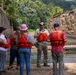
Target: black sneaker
(46, 65)
(0, 72)
(17, 67)
(38, 66)
(9, 67)
(3, 71)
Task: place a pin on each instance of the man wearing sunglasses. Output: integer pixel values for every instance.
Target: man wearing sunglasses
(41, 35)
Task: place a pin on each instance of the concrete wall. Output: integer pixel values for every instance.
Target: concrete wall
(5, 22)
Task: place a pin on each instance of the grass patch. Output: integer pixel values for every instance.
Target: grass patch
(31, 30)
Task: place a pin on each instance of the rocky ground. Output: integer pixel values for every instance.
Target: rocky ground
(70, 69)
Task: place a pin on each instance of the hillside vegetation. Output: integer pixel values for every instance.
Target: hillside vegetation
(33, 12)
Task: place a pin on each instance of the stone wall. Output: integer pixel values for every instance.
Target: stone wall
(67, 22)
(5, 22)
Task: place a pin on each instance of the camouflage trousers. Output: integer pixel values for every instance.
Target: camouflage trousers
(45, 52)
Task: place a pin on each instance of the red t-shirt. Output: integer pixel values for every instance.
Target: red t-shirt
(58, 49)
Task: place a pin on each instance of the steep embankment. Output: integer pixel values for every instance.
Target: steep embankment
(5, 22)
(67, 22)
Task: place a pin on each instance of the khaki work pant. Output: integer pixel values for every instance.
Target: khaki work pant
(45, 52)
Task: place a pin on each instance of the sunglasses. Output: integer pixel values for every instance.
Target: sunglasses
(41, 25)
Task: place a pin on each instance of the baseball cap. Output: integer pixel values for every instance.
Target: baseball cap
(42, 23)
(2, 29)
(56, 25)
(18, 28)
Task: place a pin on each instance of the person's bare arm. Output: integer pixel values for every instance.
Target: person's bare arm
(1, 41)
(37, 34)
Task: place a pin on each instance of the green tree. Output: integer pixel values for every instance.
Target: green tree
(31, 12)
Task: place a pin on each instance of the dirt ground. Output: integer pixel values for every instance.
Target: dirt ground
(70, 69)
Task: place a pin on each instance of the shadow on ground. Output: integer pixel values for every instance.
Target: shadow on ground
(41, 71)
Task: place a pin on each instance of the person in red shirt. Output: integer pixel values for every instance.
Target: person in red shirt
(14, 49)
(57, 39)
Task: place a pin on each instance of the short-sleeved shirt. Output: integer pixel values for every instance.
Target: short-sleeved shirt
(58, 49)
(37, 32)
(4, 39)
(29, 38)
